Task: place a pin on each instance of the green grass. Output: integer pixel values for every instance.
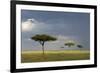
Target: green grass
(37, 56)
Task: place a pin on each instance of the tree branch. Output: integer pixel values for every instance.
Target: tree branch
(42, 42)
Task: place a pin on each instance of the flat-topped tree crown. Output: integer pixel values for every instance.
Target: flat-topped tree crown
(69, 44)
(43, 37)
(79, 46)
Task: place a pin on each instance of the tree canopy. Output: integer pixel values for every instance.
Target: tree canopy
(43, 37)
(69, 44)
(79, 46)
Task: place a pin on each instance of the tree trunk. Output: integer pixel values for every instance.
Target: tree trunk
(43, 48)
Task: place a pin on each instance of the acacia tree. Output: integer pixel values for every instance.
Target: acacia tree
(79, 46)
(69, 44)
(42, 39)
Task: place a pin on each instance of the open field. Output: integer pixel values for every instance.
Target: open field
(37, 56)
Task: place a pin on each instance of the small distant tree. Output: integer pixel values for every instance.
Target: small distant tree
(69, 44)
(79, 46)
(42, 39)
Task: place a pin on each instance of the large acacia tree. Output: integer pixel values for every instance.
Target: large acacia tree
(42, 38)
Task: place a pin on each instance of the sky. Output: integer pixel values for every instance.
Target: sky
(65, 26)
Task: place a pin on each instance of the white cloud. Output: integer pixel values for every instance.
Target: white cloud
(28, 25)
(31, 24)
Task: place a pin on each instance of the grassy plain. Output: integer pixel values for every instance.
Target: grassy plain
(55, 55)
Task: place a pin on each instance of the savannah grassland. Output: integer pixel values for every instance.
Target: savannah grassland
(65, 55)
